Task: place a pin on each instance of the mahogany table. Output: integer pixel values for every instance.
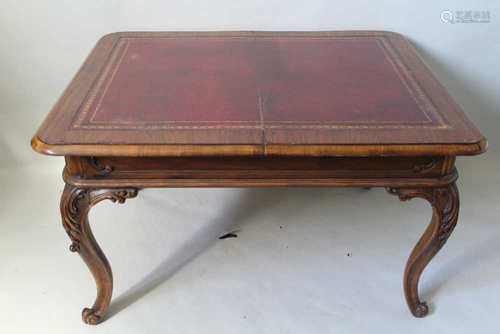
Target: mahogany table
(256, 109)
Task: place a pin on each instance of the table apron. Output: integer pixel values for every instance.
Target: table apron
(161, 172)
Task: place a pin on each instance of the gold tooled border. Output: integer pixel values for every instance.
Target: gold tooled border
(118, 54)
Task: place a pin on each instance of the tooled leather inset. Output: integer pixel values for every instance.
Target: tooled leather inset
(263, 107)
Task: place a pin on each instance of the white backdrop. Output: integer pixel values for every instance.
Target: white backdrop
(243, 285)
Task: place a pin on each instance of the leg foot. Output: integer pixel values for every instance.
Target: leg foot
(421, 309)
(75, 205)
(445, 207)
(89, 317)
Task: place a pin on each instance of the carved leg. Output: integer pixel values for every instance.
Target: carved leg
(75, 205)
(445, 206)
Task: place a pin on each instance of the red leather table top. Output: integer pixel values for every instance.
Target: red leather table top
(263, 89)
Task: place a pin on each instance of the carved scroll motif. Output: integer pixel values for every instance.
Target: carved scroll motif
(99, 168)
(425, 166)
(74, 209)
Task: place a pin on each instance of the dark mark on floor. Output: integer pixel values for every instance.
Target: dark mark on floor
(228, 235)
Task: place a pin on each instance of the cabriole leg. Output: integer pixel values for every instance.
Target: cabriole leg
(445, 207)
(75, 205)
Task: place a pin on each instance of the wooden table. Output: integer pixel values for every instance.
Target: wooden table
(256, 109)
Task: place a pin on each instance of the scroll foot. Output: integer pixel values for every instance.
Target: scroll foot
(421, 309)
(89, 317)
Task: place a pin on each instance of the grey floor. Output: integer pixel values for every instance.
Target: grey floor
(304, 261)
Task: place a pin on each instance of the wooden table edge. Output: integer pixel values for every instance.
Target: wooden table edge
(173, 150)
